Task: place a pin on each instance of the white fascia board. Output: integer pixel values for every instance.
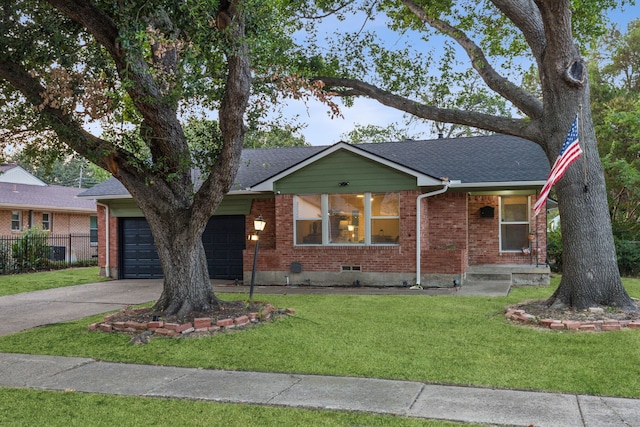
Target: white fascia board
(422, 179)
(459, 184)
(44, 208)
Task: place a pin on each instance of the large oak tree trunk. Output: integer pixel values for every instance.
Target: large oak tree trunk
(187, 287)
(590, 270)
(590, 276)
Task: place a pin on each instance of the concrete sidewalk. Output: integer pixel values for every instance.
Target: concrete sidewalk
(402, 398)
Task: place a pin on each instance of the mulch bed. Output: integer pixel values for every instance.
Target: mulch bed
(143, 323)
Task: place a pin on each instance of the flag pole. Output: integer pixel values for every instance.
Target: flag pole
(584, 151)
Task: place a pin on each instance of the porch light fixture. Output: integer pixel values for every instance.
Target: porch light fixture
(258, 225)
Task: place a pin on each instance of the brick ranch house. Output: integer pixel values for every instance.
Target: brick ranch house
(386, 214)
(26, 202)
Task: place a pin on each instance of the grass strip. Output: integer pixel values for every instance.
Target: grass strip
(29, 282)
(27, 408)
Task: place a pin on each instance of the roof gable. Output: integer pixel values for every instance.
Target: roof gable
(421, 179)
(17, 175)
(343, 171)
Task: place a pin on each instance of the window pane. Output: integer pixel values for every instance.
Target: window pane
(514, 236)
(308, 232)
(346, 218)
(309, 207)
(514, 209)
(385, 231)
(308, 220)
(385, 204)
(16, 221)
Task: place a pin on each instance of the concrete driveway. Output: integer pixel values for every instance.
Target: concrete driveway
(29, 310)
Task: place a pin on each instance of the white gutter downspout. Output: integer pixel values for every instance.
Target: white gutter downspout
(106, 240)
(418, 219)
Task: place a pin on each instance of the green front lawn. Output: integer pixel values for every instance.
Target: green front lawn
(27, 408)
(28, 282)
(443, 339)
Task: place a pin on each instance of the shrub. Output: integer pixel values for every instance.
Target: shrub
(628, 254)
(554, 250)
(628, 257)
(32, 251)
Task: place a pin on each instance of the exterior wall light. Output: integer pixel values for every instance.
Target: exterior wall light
(258, 224)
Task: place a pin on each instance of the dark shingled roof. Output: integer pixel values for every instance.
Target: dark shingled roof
(47, 197)
(474, 160)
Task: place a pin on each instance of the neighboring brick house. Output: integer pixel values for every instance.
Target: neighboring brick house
(388, 214)
(26, 202)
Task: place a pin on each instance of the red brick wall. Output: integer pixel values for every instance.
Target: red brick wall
(277, 250)
(102, 242)
(484, 244)
(444, 244)
(453, 236)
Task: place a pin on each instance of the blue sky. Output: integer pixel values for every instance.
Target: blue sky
(322, 130)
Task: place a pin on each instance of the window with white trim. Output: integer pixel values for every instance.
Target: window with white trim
(514, 223)
(347, 219)
(46, 221)
(16, 220)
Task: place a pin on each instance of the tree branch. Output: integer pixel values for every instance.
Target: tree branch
(159, 115)
(526, 16)
(231, 113)
(531, 106)
(517, 127)
(66, 127)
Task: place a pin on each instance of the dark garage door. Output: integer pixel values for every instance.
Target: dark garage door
(223, 239)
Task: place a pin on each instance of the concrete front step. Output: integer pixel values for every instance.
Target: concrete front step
(495, 288)
(488, 277)
(519, 275)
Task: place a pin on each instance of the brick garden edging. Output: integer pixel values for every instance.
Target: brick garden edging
(202, 325)
(571, 325)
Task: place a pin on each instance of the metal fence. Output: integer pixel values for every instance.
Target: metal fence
(43, 252)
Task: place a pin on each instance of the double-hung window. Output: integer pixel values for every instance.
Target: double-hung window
(93, 230)
(514, 223)
(46, 221)
(347, 219)
(16, 220)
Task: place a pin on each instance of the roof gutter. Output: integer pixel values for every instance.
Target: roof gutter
(107, 243)
(445, 187)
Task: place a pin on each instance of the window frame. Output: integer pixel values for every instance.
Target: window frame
(47, 225)
(365, 219)
(502, 223)
(93, 231)
(18, 220)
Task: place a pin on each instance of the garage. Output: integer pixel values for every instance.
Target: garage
(223, 239)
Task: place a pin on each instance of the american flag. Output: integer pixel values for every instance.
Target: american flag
(569, 153)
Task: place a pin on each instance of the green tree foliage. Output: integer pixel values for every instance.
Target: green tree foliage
(73, 171)
(372, 133)
(616, 106)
